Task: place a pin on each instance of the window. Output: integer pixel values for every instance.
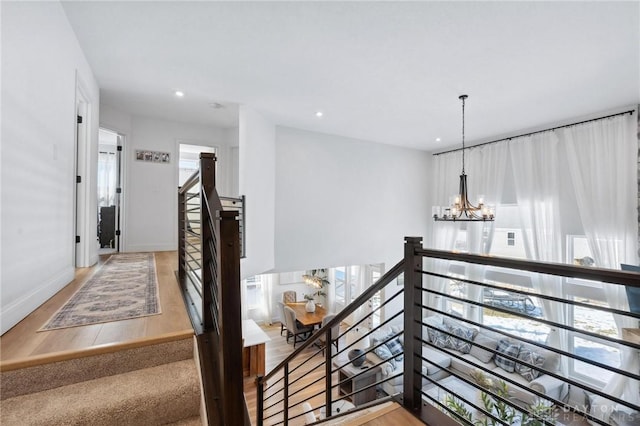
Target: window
(253, 292)
(589, 319)
(507, 237)
(189, 160)
(340, 286)
(522, 304)
(599, 322)
(374, 273)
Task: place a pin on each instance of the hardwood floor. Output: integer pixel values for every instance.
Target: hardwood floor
(24, 344)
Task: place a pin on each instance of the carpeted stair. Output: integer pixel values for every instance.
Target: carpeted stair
(148, 385)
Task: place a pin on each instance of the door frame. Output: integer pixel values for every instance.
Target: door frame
(82, 190)
(120, 205)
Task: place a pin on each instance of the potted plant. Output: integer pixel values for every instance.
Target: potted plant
(317, 279)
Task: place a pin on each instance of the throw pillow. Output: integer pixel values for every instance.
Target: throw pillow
(397, 329)
(440, 339)
(506, 348)
(429, 323)
(532, 358)
(483, 347)
(459, 344)
(395, 347)
(385, 354)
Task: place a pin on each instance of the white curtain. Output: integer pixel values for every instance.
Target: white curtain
(602, 162)
(244, 309)
(446, 182)
(107, 171)
(267, 299)
(485, 167)
(486, 170)
(330, 299)
(537, 172)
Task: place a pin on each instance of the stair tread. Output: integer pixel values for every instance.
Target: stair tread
(155, 395)
(191, 421)
(51, 375)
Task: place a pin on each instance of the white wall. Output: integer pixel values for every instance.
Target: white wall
(150, 189)
(40, 57)
(343, 201)
(257, 181)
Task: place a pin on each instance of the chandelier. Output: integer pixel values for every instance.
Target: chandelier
(461, 209)
(317, 279)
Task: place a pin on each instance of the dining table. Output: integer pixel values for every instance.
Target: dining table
(308, 319)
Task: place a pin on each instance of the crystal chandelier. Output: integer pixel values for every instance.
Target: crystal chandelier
(461, 209)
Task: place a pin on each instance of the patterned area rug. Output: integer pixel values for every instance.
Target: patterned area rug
(124, 287)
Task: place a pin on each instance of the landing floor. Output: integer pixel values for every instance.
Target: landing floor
(24, 344)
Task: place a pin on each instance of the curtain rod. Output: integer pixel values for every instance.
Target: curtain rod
(537, 131)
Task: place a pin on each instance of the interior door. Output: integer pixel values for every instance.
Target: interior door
(109, 190)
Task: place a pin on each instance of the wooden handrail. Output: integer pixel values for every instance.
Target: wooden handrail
(560, 269)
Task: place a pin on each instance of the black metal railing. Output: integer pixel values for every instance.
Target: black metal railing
(448, 375)
(209, 276)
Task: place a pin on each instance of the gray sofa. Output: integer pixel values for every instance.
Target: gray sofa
(468, 356)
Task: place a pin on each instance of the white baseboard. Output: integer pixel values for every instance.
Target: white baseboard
(19, 309)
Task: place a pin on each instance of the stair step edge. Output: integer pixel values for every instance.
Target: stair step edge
(42, 377)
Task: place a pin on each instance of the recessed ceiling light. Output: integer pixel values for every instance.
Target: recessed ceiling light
(438, 139)
(179, 93)
(319, 114)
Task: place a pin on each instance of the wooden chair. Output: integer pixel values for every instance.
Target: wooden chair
(335, 331)
(294, 328)
(287, 297)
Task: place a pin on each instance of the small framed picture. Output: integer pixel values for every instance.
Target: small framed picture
(153, 156)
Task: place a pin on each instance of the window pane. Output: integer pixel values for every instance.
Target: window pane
(339, 284)
(600, 322)
(597, 352)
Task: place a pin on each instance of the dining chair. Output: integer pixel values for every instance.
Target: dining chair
(287, 297)
(335, 331)
(294, 328)
(309, 415)
(282, 321)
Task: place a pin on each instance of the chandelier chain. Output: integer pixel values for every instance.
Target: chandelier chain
(463, 97)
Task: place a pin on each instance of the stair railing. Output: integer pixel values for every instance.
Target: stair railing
(316, 382)
(209, 276)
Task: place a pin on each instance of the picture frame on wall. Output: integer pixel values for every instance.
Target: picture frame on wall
(295, 277)
(152, 156)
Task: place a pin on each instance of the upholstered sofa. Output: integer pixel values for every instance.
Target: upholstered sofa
(457, 355)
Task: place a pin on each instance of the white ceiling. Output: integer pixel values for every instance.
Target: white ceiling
(382, 71)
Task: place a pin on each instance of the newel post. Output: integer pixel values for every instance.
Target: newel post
(230, 316)
(412, 323)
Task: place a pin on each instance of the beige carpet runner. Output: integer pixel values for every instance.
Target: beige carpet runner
(124, 287)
